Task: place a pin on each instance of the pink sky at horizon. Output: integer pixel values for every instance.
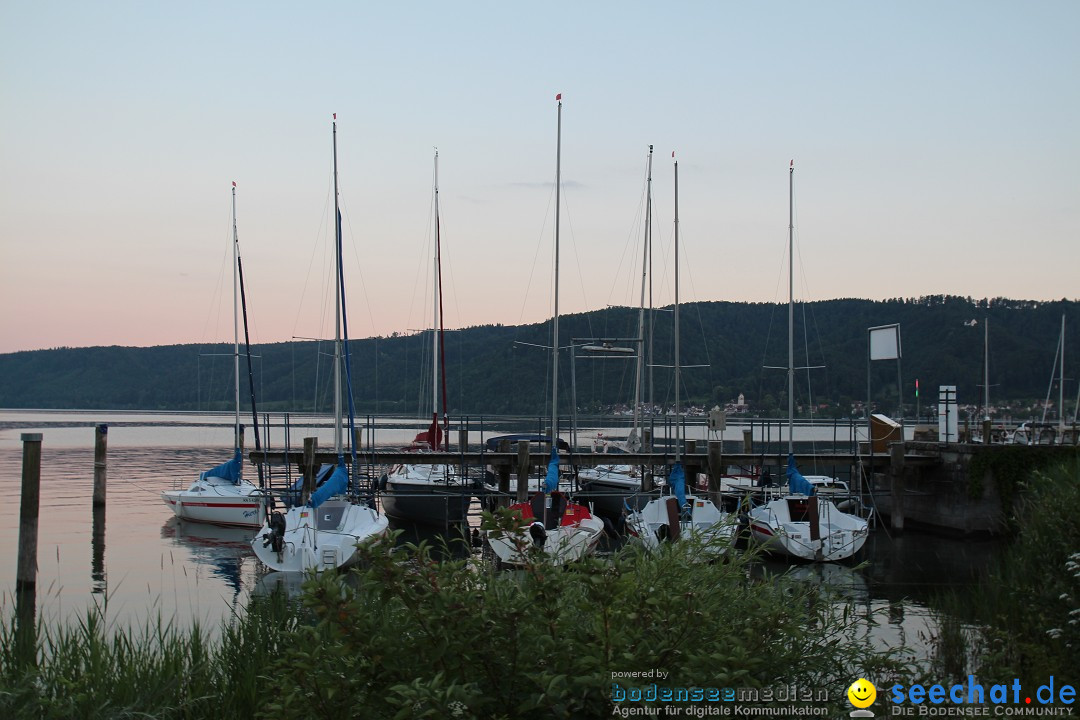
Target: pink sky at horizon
(934, 149)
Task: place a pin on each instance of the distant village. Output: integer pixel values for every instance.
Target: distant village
(1010, 413)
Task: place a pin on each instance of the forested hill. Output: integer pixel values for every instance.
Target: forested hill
(726, 348)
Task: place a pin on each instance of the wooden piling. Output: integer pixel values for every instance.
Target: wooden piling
(896, 472)
(463, 438)
(748, 441)
(311, 446)
(716, 470)
(30, 501)
(646, 440)
(503, 471)
(26, 572)
(523, 467)
(101, 436)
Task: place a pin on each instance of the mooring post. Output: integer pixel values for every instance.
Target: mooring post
(896, 473)
(986, 431)
(101, 436)
(26, 572)
(692, 465)
(748, 441)
(524, 465)
(26, 575)
(503, 470)
(646, 440)
(716, 469)
(311, 446)
(463, 438)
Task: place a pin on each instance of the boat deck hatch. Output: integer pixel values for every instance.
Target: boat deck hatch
(329, 518)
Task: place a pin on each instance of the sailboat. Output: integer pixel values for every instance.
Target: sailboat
(221, 495)
(611, 487)
(802, 523)
(324, 532)
(430, 493)
(551, 523)
(679, 515)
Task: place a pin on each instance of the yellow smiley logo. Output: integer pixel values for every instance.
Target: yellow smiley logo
(862, 693)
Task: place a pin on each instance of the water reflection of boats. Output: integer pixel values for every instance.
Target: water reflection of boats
(225, 550)
(290, 584)
(840, 581)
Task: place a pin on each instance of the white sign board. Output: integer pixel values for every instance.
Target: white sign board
(717, 419)
(948, 414)
(885, 342)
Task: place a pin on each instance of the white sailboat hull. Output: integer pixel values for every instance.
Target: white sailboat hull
(567, 537)
(562, 545)
(322, 538)
(705, 524)
(840, 535)
(219, 501)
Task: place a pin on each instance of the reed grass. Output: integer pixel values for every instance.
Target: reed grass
(90, 670)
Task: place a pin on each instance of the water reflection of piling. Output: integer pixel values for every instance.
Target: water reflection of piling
(26, 574)
(97, 552)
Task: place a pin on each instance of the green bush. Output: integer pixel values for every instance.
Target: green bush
(419, 638)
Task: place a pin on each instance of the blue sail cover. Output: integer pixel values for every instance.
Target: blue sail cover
(551, 482)
(796, 482)
(227, 471)
(677, 483)
(336, 484)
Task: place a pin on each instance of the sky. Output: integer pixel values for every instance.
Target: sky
(935, 148)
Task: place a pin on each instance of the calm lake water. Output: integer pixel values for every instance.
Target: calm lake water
(148, 562)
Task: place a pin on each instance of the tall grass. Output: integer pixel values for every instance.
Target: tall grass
(1024, 620)
(88, 670)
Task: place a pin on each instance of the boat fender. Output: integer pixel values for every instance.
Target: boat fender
(276, 537)
(538, 534)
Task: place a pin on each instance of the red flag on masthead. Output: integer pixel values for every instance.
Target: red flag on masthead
(234, 183)
(559, 96)
(792, 162)
(335, 116)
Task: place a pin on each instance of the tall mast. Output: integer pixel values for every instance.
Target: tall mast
(678, 416)
(639, 381)
(1061, 379)
(435, 320)
(338, 445)
(555, 323)
(791, 310)
(986, 372)
(236, 322)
